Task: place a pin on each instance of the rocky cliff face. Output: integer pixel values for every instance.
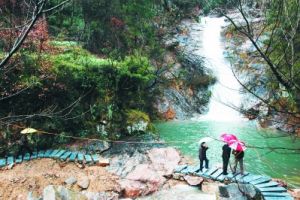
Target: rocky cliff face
(187, 92)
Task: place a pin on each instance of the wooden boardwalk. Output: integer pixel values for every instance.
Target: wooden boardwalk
(269, 189)
(58, 154)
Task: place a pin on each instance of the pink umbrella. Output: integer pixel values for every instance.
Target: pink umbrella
(237, 145)
(226, 137)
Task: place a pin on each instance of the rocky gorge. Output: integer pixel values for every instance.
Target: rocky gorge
(188, 90)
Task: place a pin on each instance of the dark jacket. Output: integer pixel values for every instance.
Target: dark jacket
(24, 140)
(202, 152)
(238, 154)
(226, 152)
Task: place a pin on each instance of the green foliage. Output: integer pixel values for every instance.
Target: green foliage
(107, 90)
(134, 116)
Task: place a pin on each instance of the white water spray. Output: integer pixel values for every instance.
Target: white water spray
(225, 93)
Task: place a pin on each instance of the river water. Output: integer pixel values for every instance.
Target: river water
(223, 118)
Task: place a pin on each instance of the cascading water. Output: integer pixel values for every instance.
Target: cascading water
(225, 93)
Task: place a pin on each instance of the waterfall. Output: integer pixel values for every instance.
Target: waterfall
(225, 93)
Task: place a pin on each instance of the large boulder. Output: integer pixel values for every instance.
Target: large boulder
(236, 191)
(193, 180)
(145, 173)
(132, 189)
(122, 164)
(164, 160)
(142, 180)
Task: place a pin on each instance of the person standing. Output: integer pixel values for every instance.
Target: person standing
(238, 158)
(24, 145)
(202, 155)
(225, 156)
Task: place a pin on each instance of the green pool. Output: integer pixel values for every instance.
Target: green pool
(284, 164)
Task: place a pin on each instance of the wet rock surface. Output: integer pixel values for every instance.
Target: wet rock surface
(180, 192)
(236, 191)
(188, 93)
(144, 173)
(52, 192)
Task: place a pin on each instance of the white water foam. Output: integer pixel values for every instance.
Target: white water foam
(225, 93)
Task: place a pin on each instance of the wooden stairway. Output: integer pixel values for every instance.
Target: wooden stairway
(269, 189)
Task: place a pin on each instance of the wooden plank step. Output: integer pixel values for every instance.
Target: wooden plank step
(186, 170)
(80, 157)
(231, 175)
(221, 178)
(275, 194)
(240, 177)
(54, 152)
(60, 153)
(96, 158)
(88, 158)
(178, 169)
(210, 171)
(268, 184)
(65, 155)
(19, 159)
(251, 177)
(263, 179)
(272, 189)
(194, 169)
(34, 155)
(10, 160)
(216, 174)
(41, 154)
(73, 156)
(48, 153)
(279, 198)
(199, 173)
(2, 162)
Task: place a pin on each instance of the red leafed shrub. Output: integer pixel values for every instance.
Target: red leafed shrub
(37, 37)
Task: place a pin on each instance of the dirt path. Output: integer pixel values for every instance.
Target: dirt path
(36, 175)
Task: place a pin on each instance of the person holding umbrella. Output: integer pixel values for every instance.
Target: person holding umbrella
(202, 152)
(238, 152)
(225, 157)
(226, 150)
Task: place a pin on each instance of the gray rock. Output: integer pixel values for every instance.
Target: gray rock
(193, 180)
(236, 191)
(180, 192)
(71, 180)
(52, 192)
(84, 183)
(101, 195)
(31, 196)
(223, 192)
(97, 147)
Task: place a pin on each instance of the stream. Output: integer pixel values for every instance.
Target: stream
(221, 116)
